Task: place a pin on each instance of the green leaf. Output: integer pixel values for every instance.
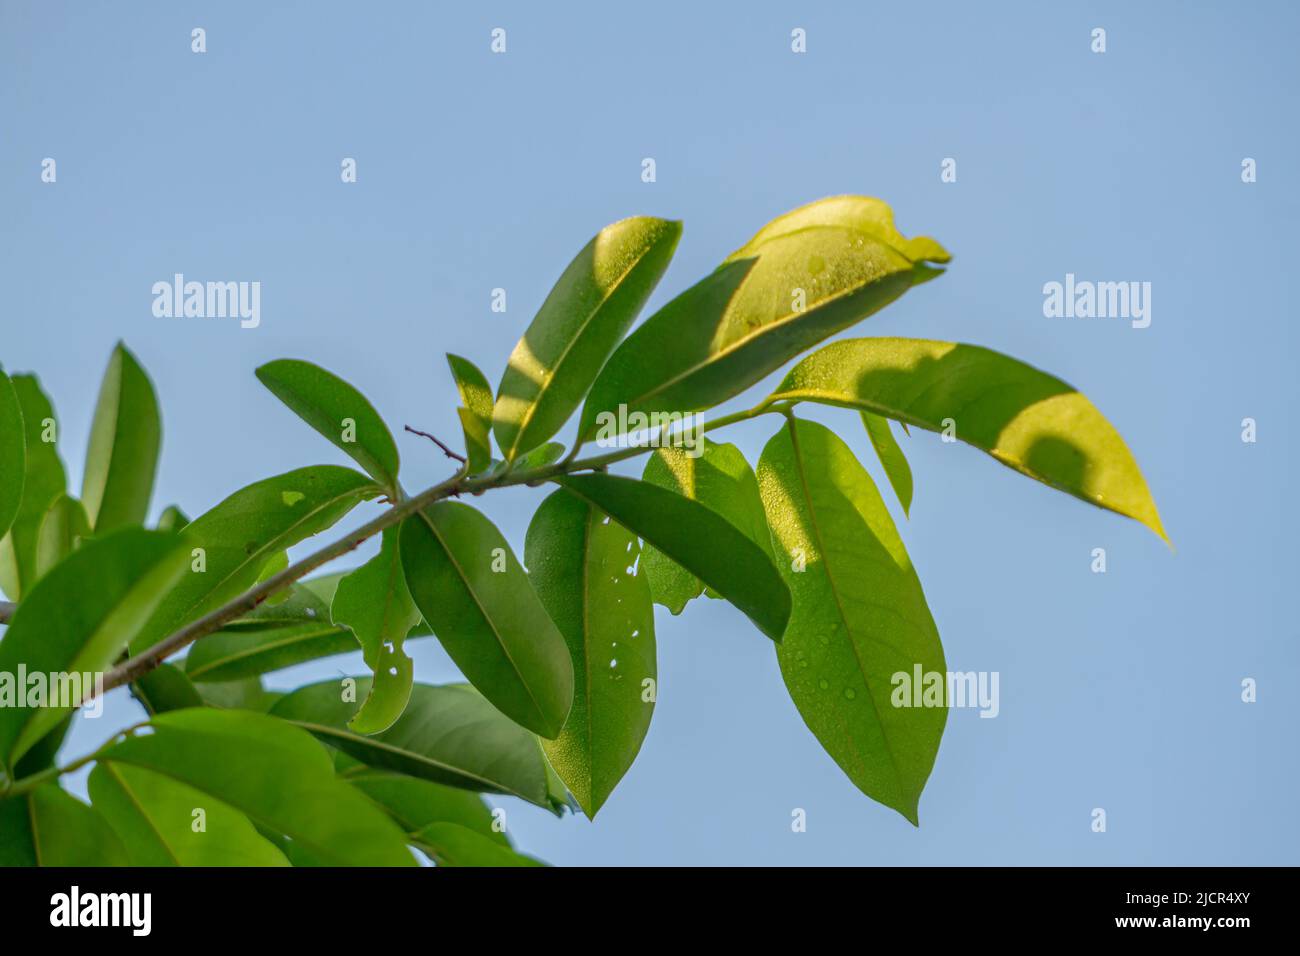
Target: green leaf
(43, 481)
(165, 688)
(339, 412)
(273, 773)
(246, 694)
(1026, 419)
(471, 590)
(473, 388)
(44, 753)
(47, 827)
(478, 441)
(588, 311)
(805, 276)
(233, 541)
(697, 538)
(61, 531)
(476, 415)
(300, 604)
(452, 845)
(540, 456)
(156, 818)
(13, 454)
(450, 735)
(172, 519)
(585, 569)
(235, 654)
(77, 620)
(718, 478)
(859, 618)
(416, 803)
(125, 438)
(374, 603)
(892, 459)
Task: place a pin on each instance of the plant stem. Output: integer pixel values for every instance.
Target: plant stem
(14, 788)
(144, 662)
(7, 609)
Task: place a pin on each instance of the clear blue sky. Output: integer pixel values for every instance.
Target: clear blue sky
(476, 171)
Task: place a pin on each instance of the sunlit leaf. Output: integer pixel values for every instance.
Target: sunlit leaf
(588, 311)
(805, 276)
(1026, 419)
(860, 617)
(473, 388)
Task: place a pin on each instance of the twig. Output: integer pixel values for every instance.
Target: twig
(445, 450)
(7, 611)
(147, 660)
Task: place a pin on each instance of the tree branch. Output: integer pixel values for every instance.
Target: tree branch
(147, 660)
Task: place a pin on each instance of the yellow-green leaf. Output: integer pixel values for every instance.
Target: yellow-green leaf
(805, 276)
(1026, 419)
(860, 617)
(588, 311)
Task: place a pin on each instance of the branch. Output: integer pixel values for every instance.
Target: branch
(7, 609)
(146, 661)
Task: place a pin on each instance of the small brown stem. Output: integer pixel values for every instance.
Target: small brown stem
(445, 450)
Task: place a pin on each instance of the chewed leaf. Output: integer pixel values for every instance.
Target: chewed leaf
(373, 601)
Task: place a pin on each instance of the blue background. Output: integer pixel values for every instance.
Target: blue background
(1119, 691)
